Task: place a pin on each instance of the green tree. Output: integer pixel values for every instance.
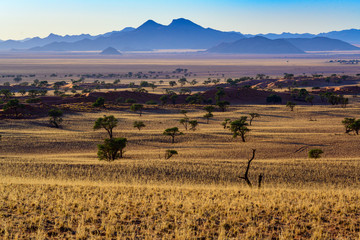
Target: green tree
(6, 93)
(290, 105)
(173, 98)
(22, 92)
(222, 105)
(219, 94)
(208, 116)
(315, 153)
(355, 126)
(13, 105)
(193, 124)
(209, 109)
(100, 102)
(136, 107)
(172, 132)
(348, 124)
(139, 125)
(273, 98)
(111, 149)
(55, 117)
(309, 99)
(172, 83)
(239, 128)
(182, 81)
(226, 123)
(106, 122)
(184, 121)
(164, 99)
(183, 112)
(252, 116)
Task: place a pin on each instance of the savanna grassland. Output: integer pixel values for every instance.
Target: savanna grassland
(53, 186)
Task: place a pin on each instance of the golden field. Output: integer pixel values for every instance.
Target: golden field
(53, 185)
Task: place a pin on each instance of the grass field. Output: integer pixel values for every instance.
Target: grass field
(53, 185)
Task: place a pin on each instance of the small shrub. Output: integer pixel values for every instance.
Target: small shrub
(100, 102)
(130, 100)
(151, 102)
(315, 153)
(169, 153)
(33, 100)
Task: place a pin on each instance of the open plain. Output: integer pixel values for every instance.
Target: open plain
(53, 185)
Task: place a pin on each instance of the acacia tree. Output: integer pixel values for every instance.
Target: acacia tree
(290, 105)
(184, 121)
(252, 116)
(137, 108)
(55, 117)
(6, 93)
(239, 128)
(226, 123)
(13, 105)
(112, 149)
(108, 123)
(222, 105)
(164, 99)
(347, 122)
(219, 94)
(193, 124)
(208, 116)
(209, 109)
(172, 132)
(139, 125)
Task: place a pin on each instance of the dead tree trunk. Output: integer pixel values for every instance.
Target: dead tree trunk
(246, 175)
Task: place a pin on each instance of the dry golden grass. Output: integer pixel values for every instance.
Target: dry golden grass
(53, 186)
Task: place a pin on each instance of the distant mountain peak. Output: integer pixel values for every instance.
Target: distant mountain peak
(53, 35)
(182, 22)
(150, 24)
(110, 51)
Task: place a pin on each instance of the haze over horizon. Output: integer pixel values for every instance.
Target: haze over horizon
(24, 19)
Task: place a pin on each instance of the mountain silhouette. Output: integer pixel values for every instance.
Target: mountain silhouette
(36, 41)
(257, 45)
(321, 44)
(351, 36)
(179, 34)
(110, 51)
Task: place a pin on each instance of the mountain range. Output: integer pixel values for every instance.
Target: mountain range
(184, 34)
(179, 34)
(350, 35)
(262, 45)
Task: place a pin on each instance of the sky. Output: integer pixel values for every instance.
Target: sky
(21, 19)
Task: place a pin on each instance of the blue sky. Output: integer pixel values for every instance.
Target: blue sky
(28, 18)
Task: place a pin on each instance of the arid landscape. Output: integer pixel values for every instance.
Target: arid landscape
(184, 120)
(53, 185)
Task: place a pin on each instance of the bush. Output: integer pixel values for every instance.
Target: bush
(273, 98)
(100, 102)
(169, 153)
(315, 153)
(33, 100)
(120, 100)
(151, 102)
(112, 149)
(130, 100)
(55, 117)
